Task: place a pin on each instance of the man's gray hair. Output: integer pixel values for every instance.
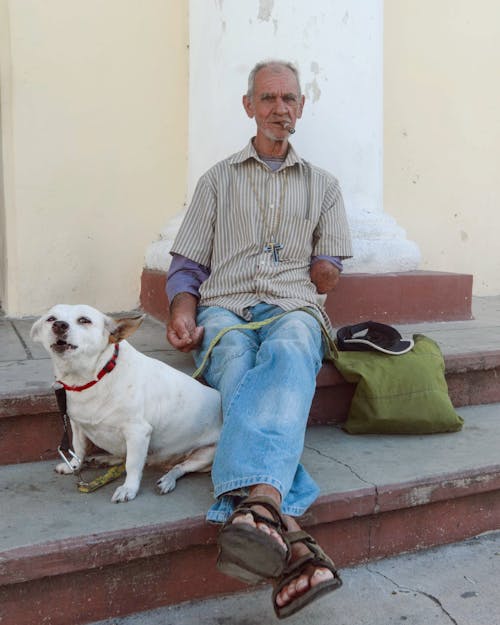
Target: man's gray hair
(271, 63)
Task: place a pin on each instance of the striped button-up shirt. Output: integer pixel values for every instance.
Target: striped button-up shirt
(241, 212)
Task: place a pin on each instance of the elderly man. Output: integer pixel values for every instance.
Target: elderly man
(262, 242)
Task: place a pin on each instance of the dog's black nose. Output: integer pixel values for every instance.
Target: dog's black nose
(60, 327)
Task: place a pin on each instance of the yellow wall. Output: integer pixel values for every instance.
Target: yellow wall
(94, 137)
(442, 132)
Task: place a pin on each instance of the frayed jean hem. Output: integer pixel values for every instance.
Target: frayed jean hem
(221, 516)
(225, 488)
(225, 504)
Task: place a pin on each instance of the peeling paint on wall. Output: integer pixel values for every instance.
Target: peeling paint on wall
(220, 3)
(313, 92)
(265, 10)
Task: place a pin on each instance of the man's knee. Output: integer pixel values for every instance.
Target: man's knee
(298, 336)
(301, 328)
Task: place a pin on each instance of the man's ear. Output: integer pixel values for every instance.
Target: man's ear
(123, 328)
(248, 106)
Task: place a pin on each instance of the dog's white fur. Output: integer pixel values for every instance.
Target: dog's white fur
(143, 410)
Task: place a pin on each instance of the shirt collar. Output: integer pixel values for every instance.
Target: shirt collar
(248, 152)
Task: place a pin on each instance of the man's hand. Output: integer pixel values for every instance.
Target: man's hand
(182, 331)
(324, 275)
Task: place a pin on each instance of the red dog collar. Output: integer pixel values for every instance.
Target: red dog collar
(109, 366)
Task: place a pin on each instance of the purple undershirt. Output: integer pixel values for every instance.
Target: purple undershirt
(186, 276)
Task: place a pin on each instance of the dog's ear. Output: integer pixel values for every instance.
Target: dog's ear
(35, 330)
(123, 328)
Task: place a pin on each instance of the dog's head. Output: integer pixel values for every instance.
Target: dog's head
(67, 330)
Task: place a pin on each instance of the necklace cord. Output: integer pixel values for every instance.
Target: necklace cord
(273, 229)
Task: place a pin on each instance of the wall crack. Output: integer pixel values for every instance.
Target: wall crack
(376, 506)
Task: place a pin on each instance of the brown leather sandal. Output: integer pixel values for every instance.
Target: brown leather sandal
(246, 552)
(317, 558)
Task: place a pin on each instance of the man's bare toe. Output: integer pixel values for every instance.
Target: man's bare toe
(270, 531)
(263, 527)
(245, 518)
(319, 576)
(295, 587)
(301, 584)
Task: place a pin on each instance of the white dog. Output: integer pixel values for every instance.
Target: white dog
(142, 409)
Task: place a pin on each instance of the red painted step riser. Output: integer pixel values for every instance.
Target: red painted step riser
(391, 298)
(32, 437)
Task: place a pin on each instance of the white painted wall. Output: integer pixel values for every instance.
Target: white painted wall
(338, 48)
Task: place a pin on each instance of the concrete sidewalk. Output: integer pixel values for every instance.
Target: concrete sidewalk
(452, 585)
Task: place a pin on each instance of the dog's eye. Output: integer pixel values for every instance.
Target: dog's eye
(84, 320)
(51, 319)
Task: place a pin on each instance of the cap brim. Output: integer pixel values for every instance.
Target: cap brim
(401, 347)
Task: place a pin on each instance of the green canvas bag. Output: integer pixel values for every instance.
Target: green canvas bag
(404, 394)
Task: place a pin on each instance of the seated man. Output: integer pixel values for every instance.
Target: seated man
(262, 241)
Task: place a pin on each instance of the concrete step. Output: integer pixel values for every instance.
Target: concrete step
(30, 426)
(67, 557)
(411, 589)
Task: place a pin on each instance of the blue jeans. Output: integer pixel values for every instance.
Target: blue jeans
(267, 379)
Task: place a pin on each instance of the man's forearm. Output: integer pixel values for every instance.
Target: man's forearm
(324, 275)
(183, 305)
(182, 331)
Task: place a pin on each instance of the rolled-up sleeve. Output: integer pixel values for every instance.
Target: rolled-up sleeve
(196, 234)
(185, 276)
(332, 236)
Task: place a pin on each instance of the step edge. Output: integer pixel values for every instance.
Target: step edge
(22, 403)
(70, 555)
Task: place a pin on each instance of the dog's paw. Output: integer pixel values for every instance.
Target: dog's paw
(166, 483)
(123, 493)
(64, 469)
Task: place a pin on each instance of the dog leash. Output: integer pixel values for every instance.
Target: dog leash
(251, 325)
(111, 475)
(256, 325)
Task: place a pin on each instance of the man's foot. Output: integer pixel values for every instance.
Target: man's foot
(252, 546)
(311, 577)
(298, 583)
(261, 525)
(261, 511)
